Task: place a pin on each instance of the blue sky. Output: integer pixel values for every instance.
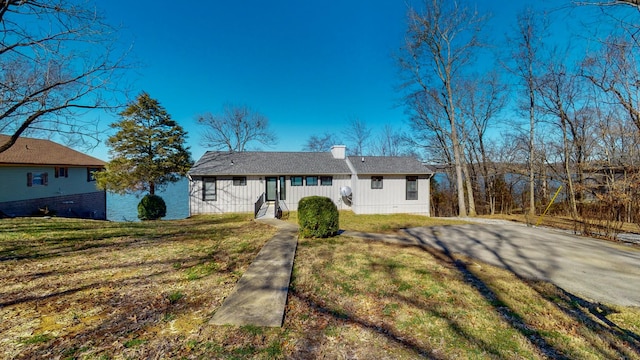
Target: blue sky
(309, 66)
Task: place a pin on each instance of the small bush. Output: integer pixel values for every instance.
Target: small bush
(151, 207)
(318, 217)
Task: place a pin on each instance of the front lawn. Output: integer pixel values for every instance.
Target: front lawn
(100, 290)
(387, 223)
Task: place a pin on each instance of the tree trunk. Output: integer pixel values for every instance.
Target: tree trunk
(532, 184)
(457, 154)
(572, 194)
(470, 197)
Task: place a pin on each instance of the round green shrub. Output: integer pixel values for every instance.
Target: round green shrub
(318, 217)
(151, 207)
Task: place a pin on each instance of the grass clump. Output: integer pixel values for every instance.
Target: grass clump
(37, 339)
(174, 297)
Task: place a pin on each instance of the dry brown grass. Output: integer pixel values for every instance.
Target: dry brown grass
(594, 227)
(97, 290)
(410, 302)
(386, 223)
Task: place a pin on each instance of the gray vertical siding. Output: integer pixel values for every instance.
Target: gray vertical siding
(232, 198)
(391, 198)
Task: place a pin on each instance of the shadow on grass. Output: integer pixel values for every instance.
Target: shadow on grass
(148, 293)
(602, 336)
(62, 237)
(570, 304)
(341, 316)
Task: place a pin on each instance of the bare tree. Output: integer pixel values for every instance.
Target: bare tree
(235, 129)
(321, 143)
(57, 60)
(388, 142)
(486, 97)
(526, 59)
(358, 135)
(615, 72)
(441, 42)
(563, 97)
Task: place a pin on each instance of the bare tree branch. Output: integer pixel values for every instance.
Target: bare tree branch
(235, 128)
(56, 57)
(634, 3)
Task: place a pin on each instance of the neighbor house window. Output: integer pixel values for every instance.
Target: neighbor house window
(376, 182)
(62, 172)
(312, 181)
(90, 174)
(239, 181)
(412, 188)
(209, 189)
(296, 181)
(326, 180)
(37, 179)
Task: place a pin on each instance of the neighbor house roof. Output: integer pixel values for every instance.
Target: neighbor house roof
(269, 163)
(381, 165)
(29, 151)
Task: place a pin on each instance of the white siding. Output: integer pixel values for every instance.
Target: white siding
(295, 193)
(229, 198)
(232, 198)
(391, 198)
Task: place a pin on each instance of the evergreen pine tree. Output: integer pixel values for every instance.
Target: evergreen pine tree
(148, 150)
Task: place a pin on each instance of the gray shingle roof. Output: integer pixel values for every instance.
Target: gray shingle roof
(269, 163)
(388, 165)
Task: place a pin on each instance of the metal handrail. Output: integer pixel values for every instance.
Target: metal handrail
(258, 205)
(281, 208)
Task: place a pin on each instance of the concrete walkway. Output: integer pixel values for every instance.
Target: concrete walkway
(260, 295)
(593, 269)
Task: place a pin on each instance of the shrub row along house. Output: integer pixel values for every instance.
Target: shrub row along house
(222, 182)
(43, 177)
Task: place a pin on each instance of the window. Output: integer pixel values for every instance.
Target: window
(376, 182)
(62, 172)
(239, 181)
(90, 172)
(326, 180)
(283, 188)
(37, 179)
(209, 189)
(296, 181)
(312, 181)
(412, 188)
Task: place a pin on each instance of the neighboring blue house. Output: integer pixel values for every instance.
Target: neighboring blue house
(43, 176)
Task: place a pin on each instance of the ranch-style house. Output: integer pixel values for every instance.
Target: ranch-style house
(223, 182)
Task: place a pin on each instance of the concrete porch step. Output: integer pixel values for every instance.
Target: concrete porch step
(267, 211)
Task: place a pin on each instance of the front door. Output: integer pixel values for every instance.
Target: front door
(272, 186)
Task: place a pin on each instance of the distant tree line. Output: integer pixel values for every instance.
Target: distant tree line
(560, 115)
(507, 130)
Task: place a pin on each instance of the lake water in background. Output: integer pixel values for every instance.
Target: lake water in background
(175, 196)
